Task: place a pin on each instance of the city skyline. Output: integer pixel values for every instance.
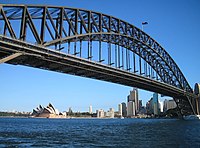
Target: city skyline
(29, 87)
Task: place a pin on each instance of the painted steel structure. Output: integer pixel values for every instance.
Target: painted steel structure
(91, 44)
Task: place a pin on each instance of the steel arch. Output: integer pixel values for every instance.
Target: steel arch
(94, 25)
(65, 25)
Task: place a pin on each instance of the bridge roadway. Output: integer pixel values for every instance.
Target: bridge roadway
(37, 56)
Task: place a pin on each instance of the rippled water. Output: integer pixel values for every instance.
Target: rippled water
(23, 132)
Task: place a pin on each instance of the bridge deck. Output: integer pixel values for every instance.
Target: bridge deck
(44, 58)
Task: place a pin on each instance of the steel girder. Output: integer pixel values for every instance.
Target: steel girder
(83, 25)
(53, 26)
(45, 58)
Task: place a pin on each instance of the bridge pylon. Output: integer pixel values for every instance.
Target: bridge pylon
(197, 92)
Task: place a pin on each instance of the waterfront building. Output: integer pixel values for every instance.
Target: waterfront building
(155, 104)
(165, 105)
(100, 113)
(142, 110)
(160, 106)
(110, 113)
(46, 112)
(130, 109)
(149, 107)
(169, 104)
(70, 112)
(90, 109)
(124, 111)
(140, 105)
(120, 109)
(132, 99)
(152, 105)
(197, 92)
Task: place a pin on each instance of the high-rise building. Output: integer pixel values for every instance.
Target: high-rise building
(149, 107)
(131, 109)
(160, 106)
(155, 104)
(90, 109)
(152, 105)
(169, 104)
(133, 99)
(124, 109)
(120, 109)
(140, 105)
(165, 105)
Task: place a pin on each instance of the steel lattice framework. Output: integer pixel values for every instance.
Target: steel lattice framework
(99, 38)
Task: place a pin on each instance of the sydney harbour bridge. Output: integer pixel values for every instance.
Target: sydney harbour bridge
(94, 45)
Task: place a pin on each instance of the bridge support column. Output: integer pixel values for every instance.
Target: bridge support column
(197, 105)
(8, 58)
(197, 92)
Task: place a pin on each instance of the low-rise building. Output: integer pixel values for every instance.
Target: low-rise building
(100, 113)
(47, 112)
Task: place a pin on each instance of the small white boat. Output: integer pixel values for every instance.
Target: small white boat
(192, 117)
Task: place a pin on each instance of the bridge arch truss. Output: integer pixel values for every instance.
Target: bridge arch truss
(96, 37)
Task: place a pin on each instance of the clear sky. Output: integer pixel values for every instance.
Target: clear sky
(175, 24)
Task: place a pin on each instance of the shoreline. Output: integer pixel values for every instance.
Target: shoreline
(80, 117)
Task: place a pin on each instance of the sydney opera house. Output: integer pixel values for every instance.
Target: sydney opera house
(47, 112)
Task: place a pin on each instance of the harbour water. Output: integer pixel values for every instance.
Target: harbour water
(72, 133)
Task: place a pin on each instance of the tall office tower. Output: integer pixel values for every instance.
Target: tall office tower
(120, 109)
(90, 109)
(149, 107)
(130, 108)
(155, 104)
(124, 109)
(140, 105)
(133, 97)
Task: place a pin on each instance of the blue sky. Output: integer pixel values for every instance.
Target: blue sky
(173, 23)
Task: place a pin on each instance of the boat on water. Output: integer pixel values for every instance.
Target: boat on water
(192, 117)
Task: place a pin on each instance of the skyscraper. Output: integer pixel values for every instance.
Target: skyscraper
(124, 109)
(140, 105)
(169, 104)
(155, 104)
(149, 107)
(133, 98)
(120, 109)
(130, 108)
